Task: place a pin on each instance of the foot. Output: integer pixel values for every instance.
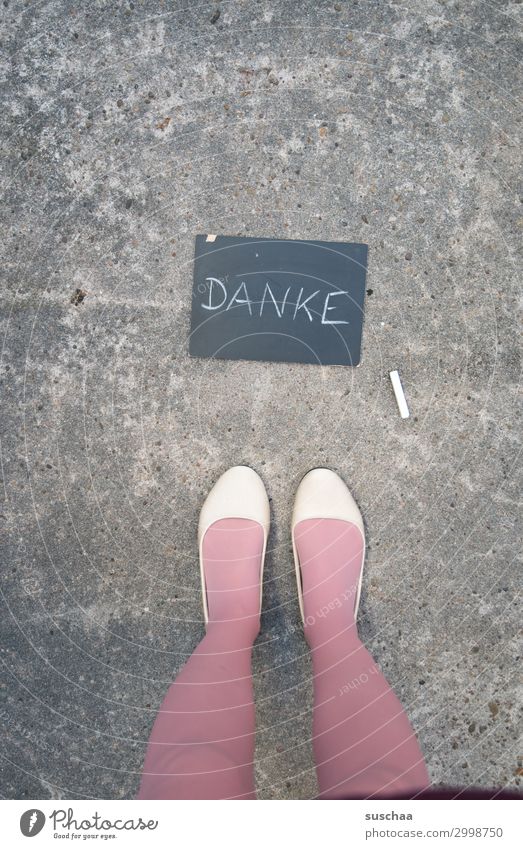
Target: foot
(232, 537)
(329, 548)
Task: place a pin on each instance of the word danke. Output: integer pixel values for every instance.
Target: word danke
(291, 303)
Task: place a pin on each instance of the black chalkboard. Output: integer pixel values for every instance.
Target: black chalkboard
(278, 299)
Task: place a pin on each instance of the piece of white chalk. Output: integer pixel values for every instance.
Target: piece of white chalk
(211, 237)
(400, 395)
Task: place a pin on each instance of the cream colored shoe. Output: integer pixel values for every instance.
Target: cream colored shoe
(238, 494)
(323, 495)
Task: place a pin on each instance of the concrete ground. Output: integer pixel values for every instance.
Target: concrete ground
(128, 129)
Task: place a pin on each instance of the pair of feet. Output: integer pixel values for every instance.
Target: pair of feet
(328, 542)
(202, 743)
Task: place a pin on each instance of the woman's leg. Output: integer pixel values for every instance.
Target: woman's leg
(202, 742)
(364, 745)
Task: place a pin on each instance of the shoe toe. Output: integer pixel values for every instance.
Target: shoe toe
(238, 494)
(322, 494)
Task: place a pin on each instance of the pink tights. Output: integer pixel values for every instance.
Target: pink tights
(202, 742)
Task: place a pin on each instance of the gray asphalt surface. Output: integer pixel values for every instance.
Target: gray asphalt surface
(128, 128)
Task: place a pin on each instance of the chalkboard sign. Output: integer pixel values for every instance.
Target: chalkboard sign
(278, 299)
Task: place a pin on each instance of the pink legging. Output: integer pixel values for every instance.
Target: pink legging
(202, 742)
